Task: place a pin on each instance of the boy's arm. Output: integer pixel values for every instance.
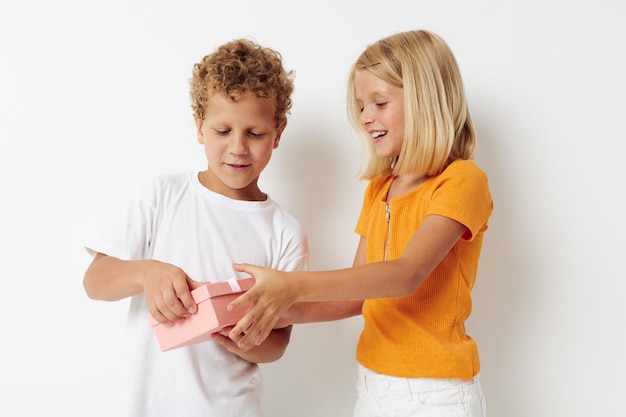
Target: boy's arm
(270, 350)
(166, 287)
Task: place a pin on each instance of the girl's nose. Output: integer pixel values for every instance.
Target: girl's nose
(365, 117)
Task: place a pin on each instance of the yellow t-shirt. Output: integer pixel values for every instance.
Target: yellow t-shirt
(423, 335)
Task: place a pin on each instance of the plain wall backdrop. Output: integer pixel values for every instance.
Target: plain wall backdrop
(94, 101)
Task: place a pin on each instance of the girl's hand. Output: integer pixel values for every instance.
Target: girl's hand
(271, 296)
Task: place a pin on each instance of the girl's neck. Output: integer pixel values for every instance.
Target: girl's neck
(403, 184)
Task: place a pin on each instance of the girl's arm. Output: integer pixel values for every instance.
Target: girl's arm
(276, 343)
(310, 312)
(276, 291)
(166, 287)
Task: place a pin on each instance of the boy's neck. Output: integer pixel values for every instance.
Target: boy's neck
(249, 193)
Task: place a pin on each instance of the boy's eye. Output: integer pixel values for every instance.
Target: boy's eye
(383, 104)
(226, 132)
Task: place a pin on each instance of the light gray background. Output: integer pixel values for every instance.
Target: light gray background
(93, 102)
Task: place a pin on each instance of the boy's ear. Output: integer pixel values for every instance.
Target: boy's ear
(279, 134)
(199, 130)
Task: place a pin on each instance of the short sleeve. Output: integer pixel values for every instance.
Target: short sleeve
(462, 194)
(129, 232)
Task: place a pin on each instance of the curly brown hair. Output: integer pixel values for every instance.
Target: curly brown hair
(238, 67)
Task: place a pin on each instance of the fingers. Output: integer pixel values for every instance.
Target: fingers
(224, 331)
(231, 344)
(244, 323)
(254, 336)
(247, 297)
(173, 303)
(179, 301)
(242, 268)
(223, 338)
(158, 316)
(184, 296)
(226, 342)
(257, 323)
(243, 300)
(168, 309)
(251, 330)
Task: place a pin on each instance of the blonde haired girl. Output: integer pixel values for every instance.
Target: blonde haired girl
(422, 223)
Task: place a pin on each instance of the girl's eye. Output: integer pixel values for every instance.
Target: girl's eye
(383, 104)
(255, 135)
(222, 132)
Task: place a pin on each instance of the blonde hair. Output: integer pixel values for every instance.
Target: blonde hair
(238, 67)
(438, 128)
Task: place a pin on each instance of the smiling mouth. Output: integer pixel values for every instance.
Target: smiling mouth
(377, 136)
(238, 167)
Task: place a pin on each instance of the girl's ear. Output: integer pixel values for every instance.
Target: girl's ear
(199, 130)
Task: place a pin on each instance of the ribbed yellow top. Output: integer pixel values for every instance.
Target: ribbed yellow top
(423, 335)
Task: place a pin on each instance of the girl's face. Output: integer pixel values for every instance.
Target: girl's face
(238, 137)
(382, 112)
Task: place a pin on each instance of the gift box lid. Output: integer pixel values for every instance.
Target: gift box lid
(217, 288)
(214, 289)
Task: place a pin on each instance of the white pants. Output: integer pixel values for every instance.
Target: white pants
(381, 395)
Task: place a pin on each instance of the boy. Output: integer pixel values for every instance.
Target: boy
(183, 229)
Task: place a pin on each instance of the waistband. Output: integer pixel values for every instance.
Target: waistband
(389, 384)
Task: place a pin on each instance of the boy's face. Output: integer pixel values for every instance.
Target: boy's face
(238, 137)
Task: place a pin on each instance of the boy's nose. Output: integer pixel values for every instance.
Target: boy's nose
(238, 145)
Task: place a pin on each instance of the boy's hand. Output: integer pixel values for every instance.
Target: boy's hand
(223, 339)
(270, 297)
(167, 289)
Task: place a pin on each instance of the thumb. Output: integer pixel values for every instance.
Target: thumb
(245, 298)
(193, 284)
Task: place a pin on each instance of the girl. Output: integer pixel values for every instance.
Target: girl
(422, 222)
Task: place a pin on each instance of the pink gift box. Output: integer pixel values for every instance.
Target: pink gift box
(212, 316)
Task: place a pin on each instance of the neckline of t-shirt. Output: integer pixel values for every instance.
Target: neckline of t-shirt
(227, 201)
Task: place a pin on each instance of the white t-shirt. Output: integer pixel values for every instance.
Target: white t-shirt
(175, 219)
